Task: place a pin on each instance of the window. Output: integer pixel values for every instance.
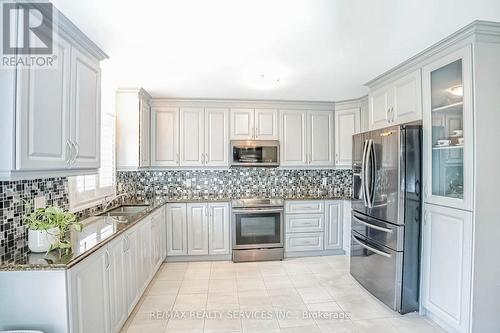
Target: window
(89, 190)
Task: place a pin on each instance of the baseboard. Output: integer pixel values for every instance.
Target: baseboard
(296, 254)
(217, 257)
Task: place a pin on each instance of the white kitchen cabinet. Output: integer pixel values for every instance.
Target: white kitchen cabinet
(447, 265)
(347, 123)
(320, 138)
(176, 229)
(293, 138)
(254, 124)
(156, 257)
(133, 129)
(197, 229)
(306, 138)
(192, 138)
(266, 124)
(397, 102)
(300, 242)
(45, 122)
(132, 272)
(304, 206)
(242, 124)
(219, 236)
(89, 294)
(146, 248)
(304, 222)
(85, 110)
(333, 224)
(51, 116)
(164, 136)
(216, 137)
(116, 275)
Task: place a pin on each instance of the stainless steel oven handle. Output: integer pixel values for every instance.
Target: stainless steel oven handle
(389, 231)
(255, 211)
(387, 255)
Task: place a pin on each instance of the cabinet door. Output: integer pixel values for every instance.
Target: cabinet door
(242, 126)
(298, 242)
(379, 104)
(118, 310)
(192, 138)
(156, 240)
(90, 294)
(333, 225)
(447, 265)
(144, 134)
(266, 124)
(448, 115)
(44, 122)
(293, 138)
(216, 137)
(85, 110)
(347, 123)
(197, 229)
(407, 100)
(176, 230)
(132, 273)
(163, 231)
(218, 232)
(164, 136)
(146, 261)
(320, 138)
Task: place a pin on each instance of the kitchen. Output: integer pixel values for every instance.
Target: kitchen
(221, 187)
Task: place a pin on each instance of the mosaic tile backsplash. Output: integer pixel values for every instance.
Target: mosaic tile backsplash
(13, 196)
(171, 184)
(236, 183)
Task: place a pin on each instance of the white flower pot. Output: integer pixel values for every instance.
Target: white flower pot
(41, 240)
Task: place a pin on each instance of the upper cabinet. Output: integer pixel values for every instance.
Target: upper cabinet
(51, 116)
(164, 136)
(347, 123)
(133, 124)
(397, 102)
(216, 136)
(306, 138)
(254, 124)
(448, 130)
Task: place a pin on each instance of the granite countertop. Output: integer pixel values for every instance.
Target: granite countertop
(100, 230)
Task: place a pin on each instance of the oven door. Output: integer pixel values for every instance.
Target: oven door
(257, 228)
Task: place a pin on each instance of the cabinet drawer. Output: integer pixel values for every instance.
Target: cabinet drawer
(304, 242)
(305, 222)
(306, 206)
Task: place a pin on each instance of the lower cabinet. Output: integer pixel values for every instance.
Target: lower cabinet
(313, 225)
(447, 266)
(105, 287)
(198, 229)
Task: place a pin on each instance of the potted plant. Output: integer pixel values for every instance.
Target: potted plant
(48, 228)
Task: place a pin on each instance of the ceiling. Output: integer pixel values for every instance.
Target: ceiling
(315, 50)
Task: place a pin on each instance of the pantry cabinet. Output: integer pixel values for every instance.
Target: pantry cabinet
(133, 129)
(306, 138)
(397, 102)
(198, 229)
(254, 124)
(51, 116)
(447, 265)
(347, 123)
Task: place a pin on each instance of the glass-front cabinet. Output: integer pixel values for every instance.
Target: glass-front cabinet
(447, 116)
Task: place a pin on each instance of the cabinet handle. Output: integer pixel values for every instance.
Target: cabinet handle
(253, 132)
(310, 158)
(256, 132)
(106, 259)
(69, 152)
(77, 151)
(206, 158)
(202, 158)
(177, 158)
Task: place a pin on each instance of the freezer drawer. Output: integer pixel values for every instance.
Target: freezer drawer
(378, 269)
(383, 233)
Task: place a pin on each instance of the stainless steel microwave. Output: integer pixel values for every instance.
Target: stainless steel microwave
(255, 153)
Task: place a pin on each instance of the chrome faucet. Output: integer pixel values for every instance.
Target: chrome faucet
(108, 203)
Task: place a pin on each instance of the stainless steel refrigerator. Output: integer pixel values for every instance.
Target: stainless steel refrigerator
(386, 214)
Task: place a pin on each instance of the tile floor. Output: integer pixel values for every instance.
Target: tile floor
(269, 297)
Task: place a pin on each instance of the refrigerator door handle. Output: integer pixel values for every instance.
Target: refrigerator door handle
(366, 187)
(381, 253)
(363, 173)
(371, 198)
(376, 227)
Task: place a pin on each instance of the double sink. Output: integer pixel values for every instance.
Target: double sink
(124, 213)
